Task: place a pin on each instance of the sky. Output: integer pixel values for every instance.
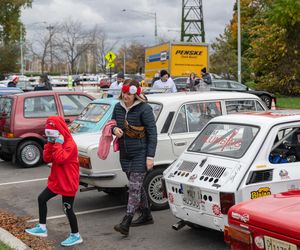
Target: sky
(133, 24)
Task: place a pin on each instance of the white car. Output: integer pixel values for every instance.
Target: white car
(234, 158)
(179, 118)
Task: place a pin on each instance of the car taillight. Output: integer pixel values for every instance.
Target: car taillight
(227, 200)
(84, 162)
(239, 239)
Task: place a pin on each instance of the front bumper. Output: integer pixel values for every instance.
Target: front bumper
(9, 145)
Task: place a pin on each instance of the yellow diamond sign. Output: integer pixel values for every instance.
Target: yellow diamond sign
(110, 56)
(110, 65)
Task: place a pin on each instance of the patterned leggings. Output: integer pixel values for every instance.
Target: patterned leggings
(137, 195)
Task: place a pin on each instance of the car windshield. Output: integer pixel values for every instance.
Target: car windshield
(93, 112)
(230, 140)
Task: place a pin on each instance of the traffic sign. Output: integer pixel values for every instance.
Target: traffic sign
(110, 56)
(110, 65)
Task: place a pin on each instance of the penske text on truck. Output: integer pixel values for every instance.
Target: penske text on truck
(179, 59)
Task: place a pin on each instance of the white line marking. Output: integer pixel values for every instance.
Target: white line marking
(18, 182)
(80, 213)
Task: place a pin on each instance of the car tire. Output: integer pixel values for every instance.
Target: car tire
(267, 100)
(153, 187)
(5, 156)
(29, 154)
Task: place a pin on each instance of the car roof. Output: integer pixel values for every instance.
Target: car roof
(47, 92)
(181, 97)
(267, 118)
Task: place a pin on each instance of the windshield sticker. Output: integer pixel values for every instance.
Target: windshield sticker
(261, 192)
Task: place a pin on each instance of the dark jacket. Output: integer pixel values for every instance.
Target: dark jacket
(11, 84)
(133, 152)
(38, 88)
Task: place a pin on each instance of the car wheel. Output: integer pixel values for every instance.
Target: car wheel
(5, 156)
(154, 190)
(267, 100)
(29, 154)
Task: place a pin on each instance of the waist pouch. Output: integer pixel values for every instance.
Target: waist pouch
(137, 132)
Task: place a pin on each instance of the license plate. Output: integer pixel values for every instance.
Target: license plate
(192, 196)
(272, 243)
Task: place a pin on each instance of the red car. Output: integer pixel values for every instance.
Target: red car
(22, 120)
(271, 223)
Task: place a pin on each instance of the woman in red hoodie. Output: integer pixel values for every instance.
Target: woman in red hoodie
(62, 151)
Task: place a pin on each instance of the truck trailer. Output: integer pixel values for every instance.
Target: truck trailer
(179, 59)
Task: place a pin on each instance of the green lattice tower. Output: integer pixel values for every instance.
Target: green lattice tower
(192, 23)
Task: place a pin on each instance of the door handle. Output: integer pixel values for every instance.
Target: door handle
(180, 143)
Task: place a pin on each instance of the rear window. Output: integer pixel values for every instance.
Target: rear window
(94, 112)
(230, 140)
(156, 109)
(5, 106)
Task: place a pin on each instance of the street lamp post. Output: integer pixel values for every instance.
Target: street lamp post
(150, 14)
(239, 41)
(50, 28)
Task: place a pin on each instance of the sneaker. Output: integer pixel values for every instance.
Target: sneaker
(72, 240)
(37, 231)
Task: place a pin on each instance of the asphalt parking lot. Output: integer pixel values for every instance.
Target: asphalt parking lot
(97, 213)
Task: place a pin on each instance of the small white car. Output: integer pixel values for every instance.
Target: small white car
(179, 118)
(234, 158)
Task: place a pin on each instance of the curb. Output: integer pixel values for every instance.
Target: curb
(12, 241)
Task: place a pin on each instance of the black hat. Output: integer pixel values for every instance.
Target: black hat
(163, 72)
(120, 75)
(203, 70)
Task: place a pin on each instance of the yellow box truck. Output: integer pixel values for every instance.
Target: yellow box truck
(179, 59)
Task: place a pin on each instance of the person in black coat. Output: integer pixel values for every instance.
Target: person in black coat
(136, 130)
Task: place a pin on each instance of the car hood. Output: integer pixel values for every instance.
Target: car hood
(86, 140)
(279, 213)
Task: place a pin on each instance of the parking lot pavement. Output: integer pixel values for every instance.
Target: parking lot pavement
(97, 214)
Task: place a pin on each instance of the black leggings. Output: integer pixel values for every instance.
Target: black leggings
(67, 201)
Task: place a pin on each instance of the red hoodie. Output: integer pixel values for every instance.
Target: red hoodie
(64, 176)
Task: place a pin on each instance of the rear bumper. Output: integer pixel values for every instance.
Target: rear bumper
(9, 145)
(105, 176)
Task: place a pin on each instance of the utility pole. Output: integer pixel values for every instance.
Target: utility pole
(239, 42)
(50, 28)
(192, 21)
(21, 50)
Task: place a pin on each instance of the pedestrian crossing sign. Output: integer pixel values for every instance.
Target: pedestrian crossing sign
(110, 56)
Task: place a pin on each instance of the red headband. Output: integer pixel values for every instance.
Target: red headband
(131, 89)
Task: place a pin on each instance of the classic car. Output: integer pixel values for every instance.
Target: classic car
(22, 120)
(234, 158)
(179, 118)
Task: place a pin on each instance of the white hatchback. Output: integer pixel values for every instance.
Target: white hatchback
(179, 118)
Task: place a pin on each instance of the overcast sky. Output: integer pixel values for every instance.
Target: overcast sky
(108, 15)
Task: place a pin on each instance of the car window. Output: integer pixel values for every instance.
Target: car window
(286, 146)
(234, 106)
(156, 109)
(39, 106)
(199, 114)
(259, 107)
(237, 86)
(221, 84)
(230, 140)
(180, 125)
(5, 106)
(94, 112)
(74, 104)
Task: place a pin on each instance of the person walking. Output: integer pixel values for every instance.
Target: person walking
(165, 82)
(203, 84)
(63, 180)
(116, 86)
(137, 133)
(44, 83)
(14, 81)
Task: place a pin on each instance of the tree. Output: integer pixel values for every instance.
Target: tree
(10, 12)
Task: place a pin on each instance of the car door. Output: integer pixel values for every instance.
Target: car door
(190, 119)
(276, 167)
